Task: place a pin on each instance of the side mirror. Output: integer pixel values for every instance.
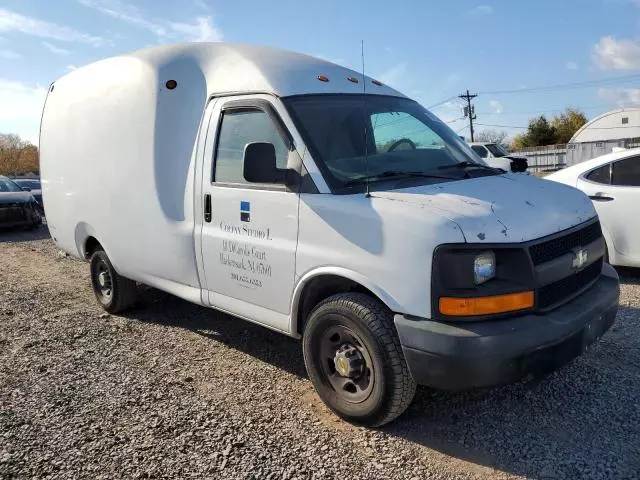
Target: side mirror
(260, 164)
(26, 189)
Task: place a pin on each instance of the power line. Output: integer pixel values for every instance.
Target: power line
(455, 120)
(565, 86)
(442, 102)
(540, 112)
(590, 128)
(550, 88)
(500, 126)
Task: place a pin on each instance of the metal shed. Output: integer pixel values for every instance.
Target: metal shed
(616, 129)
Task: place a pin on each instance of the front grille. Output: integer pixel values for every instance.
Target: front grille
(551, 249)
(11, 213)
(556, 292)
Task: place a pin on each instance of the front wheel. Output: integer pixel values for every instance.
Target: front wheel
(113, 291)
(353, 356)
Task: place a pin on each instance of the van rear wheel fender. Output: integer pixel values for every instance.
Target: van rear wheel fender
(114, 292)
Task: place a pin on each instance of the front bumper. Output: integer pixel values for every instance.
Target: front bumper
(461, 355)
(16, 216)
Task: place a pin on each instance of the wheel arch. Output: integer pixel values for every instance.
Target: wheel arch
(608, 240)
(321, 283)
(87, 240)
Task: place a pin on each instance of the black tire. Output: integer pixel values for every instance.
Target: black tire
(114, 292)
(368, 325)
(36, 223)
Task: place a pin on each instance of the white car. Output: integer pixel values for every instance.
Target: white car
(613, 183)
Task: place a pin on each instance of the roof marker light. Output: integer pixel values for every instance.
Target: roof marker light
(171, 84)
(323, 78)
(352, 79)
(376, 82)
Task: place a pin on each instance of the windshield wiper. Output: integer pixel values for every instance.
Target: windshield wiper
(396, 173)
(467, 164)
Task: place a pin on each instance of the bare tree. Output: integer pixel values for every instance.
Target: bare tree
(15, 153)
(492, 136)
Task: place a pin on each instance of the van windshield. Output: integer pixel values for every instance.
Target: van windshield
(7, 186)
(32, 184)
(497, 150)
(354, 138)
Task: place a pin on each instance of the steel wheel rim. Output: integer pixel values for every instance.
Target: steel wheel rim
(102, 281)
(353, 390)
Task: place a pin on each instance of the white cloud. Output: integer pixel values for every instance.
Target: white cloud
(56, 50)
(481, 10)
(449, 112)
(496, 106)
(453, 78)
(612, 54)
(126, 13)
(202, 30)
(394, 74)
(21, 108)
(572, 66)
(621, 96)
(10, 55)
(452, 105)
(15, 22)
(201, 4)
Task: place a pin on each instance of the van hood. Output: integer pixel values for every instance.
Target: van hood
(502, 208)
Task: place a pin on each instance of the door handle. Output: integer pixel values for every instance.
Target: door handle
(601, 197)
(207, 207)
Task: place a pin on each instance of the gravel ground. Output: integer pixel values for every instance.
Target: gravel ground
(180, 391)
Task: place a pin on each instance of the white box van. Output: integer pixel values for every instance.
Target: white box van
(302, 196)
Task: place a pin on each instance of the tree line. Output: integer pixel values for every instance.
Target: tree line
(17, 156)
(540, 131)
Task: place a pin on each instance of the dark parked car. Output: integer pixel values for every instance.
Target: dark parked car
(31, 185)
(17, 207)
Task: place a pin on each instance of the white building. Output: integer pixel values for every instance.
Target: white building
(618, 128)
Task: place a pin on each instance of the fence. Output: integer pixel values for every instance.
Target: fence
(541, 159)
(579, 152)
(555, 157)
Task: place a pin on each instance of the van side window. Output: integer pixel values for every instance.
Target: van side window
(626, 172)
(601, 175)
(237, 129)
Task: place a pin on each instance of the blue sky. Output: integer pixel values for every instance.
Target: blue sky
(430, 50)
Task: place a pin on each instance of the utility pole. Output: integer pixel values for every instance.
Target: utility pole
(469, 110)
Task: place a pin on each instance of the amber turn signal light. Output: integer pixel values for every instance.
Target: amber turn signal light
(473, 306)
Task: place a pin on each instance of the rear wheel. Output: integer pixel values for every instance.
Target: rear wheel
(354, 360)
(114, 292)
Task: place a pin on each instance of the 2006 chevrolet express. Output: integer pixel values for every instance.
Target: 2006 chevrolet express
(302, 196)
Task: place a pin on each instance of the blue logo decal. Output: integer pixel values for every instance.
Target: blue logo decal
(245, 211)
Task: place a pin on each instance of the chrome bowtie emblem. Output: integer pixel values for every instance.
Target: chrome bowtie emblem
(580, 258)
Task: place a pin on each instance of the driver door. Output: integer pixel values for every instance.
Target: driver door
(249, 231)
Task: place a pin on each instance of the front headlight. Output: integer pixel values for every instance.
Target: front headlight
(484, 267)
